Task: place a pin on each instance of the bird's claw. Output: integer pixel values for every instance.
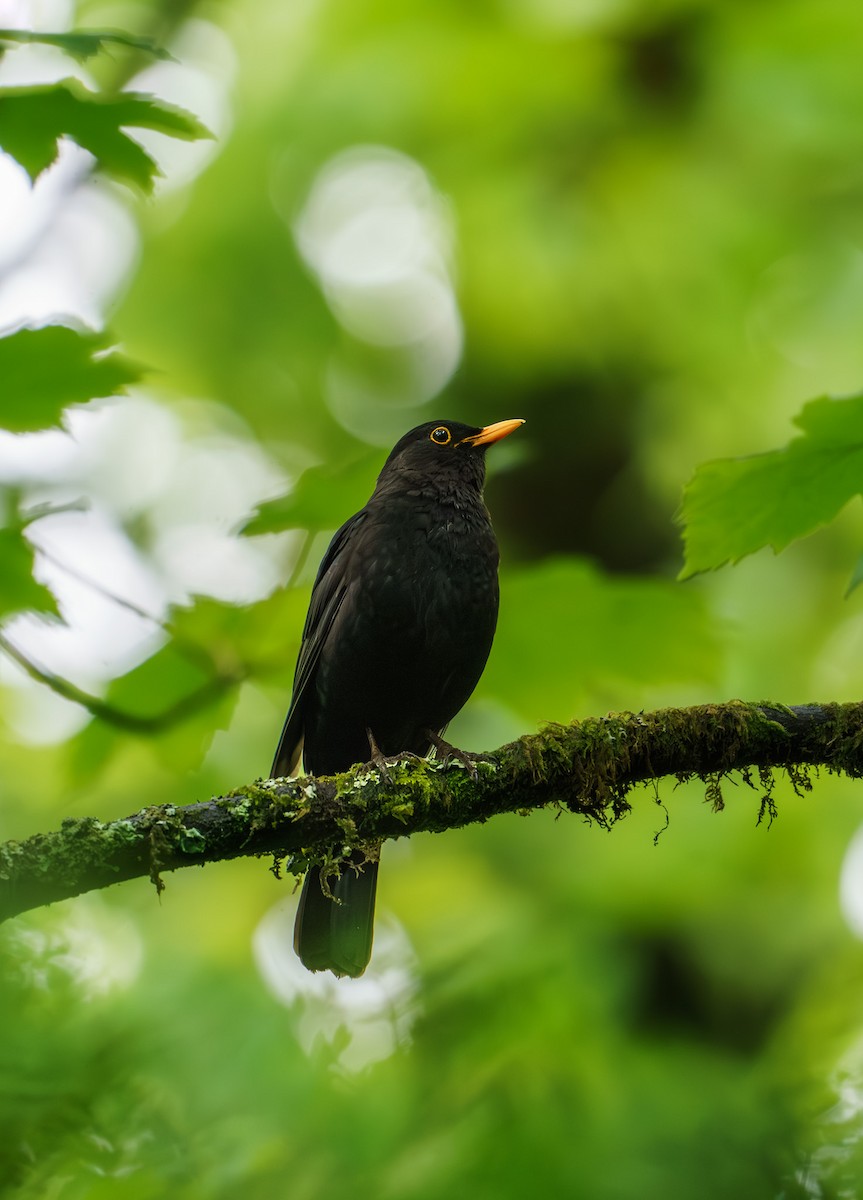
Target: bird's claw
(382, 762)
(448, 752)
(443, 748)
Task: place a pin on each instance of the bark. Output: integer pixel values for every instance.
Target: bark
(588, 768)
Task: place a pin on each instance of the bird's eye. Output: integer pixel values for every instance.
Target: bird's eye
(441, 435)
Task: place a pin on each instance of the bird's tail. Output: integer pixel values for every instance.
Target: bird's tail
(336, 935)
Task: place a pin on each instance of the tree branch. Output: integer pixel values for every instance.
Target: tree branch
(588, 767)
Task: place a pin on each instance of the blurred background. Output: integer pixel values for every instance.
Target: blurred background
(640, 227)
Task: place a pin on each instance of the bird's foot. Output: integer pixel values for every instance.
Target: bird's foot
(382, 762)
(448, 752)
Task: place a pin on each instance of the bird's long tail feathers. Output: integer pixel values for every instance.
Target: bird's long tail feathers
(337, 935)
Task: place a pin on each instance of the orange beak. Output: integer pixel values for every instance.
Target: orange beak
(492, 433)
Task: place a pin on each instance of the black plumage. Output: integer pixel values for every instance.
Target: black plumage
(400, 624)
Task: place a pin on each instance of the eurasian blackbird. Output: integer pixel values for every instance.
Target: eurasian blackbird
(400, 624)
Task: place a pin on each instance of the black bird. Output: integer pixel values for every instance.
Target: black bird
(400, 625)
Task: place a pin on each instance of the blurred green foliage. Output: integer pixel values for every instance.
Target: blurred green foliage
(647, 219)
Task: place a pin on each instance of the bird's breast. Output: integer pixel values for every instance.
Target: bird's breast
(432, 564)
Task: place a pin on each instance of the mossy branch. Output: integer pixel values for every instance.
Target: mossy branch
(588, 768)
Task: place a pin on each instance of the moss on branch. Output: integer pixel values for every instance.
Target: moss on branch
(589, 767)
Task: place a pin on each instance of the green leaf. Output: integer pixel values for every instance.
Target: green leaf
(19, 591)
(258, 640)
(171, 700)
(176, 699)
(45, 370)
(156, 685)
(33, 119)
(735, 506)
(82, 44)
(322, 498)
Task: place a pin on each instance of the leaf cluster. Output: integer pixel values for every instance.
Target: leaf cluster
(34, 119)
(44, 371)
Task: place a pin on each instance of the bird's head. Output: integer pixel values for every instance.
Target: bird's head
(446, 450)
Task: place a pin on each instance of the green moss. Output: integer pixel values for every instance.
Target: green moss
(594, 764)
(588, 768)
(264, 805)
(847, 727)
(69, 853)
(168, 838)
(713, 792)
(800, 778)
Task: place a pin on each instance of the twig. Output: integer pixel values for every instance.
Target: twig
(185, 707)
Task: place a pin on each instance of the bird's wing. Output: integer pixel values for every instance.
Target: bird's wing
(327, 595)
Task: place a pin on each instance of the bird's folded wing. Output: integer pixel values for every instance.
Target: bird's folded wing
(327, 596)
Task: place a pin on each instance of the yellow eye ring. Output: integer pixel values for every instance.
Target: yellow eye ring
(441, 435)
